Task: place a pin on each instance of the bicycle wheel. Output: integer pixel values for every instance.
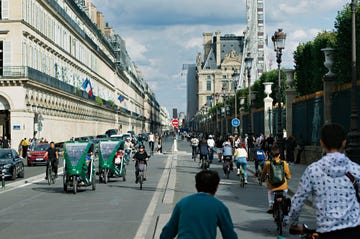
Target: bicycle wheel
(242, 179)
(49, 174)
(106, 176)
(141, 180)
(279, 221)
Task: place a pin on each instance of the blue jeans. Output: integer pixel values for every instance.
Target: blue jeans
(242, 162)
(211, 154)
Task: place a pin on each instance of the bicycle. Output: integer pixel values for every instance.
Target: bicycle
(242, 177)
(203, 163)
(141, 176)
(227, 166)
(50, 173)
(279, 208)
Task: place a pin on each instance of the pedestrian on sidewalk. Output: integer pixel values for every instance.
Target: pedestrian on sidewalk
(334, 195)
(290, 149)
(300, 148)
(199, 215)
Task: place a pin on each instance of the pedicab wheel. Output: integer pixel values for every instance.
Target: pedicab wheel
(93, 184)
(124, 178)
(65, 183)
(74, 185)
(106, 176)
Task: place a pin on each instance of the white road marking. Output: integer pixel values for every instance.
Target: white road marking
(26, 182)
(150, 211)
(170, 188)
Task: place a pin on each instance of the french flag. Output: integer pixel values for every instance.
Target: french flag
(86, 85)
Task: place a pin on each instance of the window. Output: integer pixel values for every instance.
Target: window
(225, 85)
(224, 76)
(208, 85)
(209, 101)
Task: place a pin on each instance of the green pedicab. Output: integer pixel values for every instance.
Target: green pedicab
(111, 164)
(79, 168)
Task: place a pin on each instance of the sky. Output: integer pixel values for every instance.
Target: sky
(162, 35)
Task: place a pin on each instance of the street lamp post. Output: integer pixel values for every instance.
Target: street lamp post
(216, 96)
(236, 77)
(242, 102)
(353, 149)
(248, 64)
(278, 39)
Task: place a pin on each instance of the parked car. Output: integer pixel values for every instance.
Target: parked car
(117, 137)
(36, 154)
(11, 163)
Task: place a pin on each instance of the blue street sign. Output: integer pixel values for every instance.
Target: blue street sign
(235, 122)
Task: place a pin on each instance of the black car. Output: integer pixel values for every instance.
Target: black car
(11, 163)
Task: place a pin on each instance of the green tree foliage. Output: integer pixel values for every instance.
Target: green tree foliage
(342, 65)
(309, 63)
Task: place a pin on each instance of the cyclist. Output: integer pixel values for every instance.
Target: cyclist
(273, 173)
(211, 144)
(194, 144)
(218, 143)
(53, 155)
(259, 160)
(140, 156)
(334, 196)
(227, 154)
(240, 155)
(198, 215)
(203, 149)
(128, 146)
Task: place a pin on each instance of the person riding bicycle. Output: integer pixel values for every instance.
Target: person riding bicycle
(240, 155)
(128, 146)
(334, 195)
(194, 145)
(140, 157)
(211, 144)
(227, 154)
(204, 149)
(259, 160)
(278, 173)
(53, 155)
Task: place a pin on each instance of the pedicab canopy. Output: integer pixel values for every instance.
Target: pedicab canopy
(108, 149)
(77, 151)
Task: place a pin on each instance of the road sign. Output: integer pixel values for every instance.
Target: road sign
(175, 122)
(235, 122)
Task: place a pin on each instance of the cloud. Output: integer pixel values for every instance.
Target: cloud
(163, 35)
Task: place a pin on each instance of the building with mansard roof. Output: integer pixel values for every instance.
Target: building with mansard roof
(61, 76)
(215, 67)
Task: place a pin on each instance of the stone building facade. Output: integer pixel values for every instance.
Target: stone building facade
(48, 50)
(222, 57)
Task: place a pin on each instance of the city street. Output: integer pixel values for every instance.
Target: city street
(121, 210)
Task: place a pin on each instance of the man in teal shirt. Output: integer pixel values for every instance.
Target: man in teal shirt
(197, 216)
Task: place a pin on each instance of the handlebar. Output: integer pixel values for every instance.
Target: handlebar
(304, 231)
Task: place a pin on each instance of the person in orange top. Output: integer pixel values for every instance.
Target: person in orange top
(275, 153)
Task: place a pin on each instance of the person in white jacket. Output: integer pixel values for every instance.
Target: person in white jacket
(334, 196)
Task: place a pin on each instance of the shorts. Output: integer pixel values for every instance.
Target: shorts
(219, 151)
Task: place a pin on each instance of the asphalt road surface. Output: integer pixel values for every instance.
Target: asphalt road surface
(120, 209)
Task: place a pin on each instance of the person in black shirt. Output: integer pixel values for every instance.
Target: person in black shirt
(5, 143)
(53, 155)
(140, 156)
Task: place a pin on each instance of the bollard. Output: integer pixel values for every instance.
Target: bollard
(175, 145)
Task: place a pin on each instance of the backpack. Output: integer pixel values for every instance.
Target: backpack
(277, 173)
(260, 155)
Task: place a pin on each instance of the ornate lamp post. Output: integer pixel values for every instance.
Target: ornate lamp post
(248, 65)
(353, 149)
(242, 103)
(236, 78)
(216, 97)
(278, 39)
